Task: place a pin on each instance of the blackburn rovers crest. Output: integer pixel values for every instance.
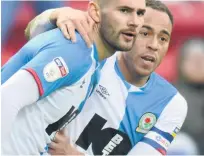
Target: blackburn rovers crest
(147, 121)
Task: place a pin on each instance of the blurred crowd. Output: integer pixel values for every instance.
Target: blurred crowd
(183, 65)
(190, 84)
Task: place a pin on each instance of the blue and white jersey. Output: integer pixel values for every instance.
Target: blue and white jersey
(118, 115)
(53, 61)
(64, 72)
(35, 123)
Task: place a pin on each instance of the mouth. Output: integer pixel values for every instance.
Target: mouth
(129, 35)
(149, 58)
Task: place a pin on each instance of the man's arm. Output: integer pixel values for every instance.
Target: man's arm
(53, 65)
(19, 87)
(40, 24)
(159, 138)
(44, 22)
(20, 90)
(67, 19)
(21, 58)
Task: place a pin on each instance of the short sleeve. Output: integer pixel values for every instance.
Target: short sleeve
(59, 62)
(168, 124)
(22, 57)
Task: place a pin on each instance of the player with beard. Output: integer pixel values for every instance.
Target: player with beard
(50, 65)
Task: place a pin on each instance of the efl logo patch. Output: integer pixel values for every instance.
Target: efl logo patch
(147, 121)
(55, 70)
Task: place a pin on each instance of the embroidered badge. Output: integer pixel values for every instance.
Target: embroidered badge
(147, 121)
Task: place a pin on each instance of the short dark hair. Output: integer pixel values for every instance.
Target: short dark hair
(158, 5)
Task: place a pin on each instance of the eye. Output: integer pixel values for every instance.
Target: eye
(124, 10)
(144, 33)
(140, 13)
(163, 39)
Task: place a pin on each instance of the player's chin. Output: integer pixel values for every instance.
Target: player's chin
(143, 72)
(126, 46)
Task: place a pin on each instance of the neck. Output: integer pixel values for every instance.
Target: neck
(130, 74)
(103, 48)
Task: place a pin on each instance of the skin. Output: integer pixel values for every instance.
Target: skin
(69, 20)
(152, 41)
(61, 145)
(118, 19)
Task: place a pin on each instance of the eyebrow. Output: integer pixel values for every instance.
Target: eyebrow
(150, 28)
(131, 8)
(125, 7)
(142, 10)
(147, 27)
(165, 32)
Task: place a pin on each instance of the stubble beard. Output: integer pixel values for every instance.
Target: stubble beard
(115, 42)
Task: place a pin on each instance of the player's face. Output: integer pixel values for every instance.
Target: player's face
(151, 43)
(120, 21)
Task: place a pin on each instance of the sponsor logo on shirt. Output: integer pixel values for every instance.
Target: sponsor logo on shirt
(55, 70)
(159, 139)
(61, 67)
(103, 141)
(162, 141)
(147, 121)
(102, 91)
(115, 141)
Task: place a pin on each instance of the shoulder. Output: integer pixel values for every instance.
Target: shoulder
(52, 44)
(177, 102)
(177, 106)
(53, 41)
(59, 62)
(166, 89)
(162, 81)
(174, 114)
(56, 35)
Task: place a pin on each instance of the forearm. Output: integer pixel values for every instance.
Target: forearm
(41, 23)
(18, 91)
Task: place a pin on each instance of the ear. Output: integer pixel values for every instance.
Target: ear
(93, 11)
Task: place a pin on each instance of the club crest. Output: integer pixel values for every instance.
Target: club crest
(147, 121)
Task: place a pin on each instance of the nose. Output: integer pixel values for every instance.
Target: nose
(153, 44)
(135, 21)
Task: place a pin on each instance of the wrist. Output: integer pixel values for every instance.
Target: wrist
(53, 16)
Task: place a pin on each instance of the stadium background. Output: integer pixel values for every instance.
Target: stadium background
(189, 24)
